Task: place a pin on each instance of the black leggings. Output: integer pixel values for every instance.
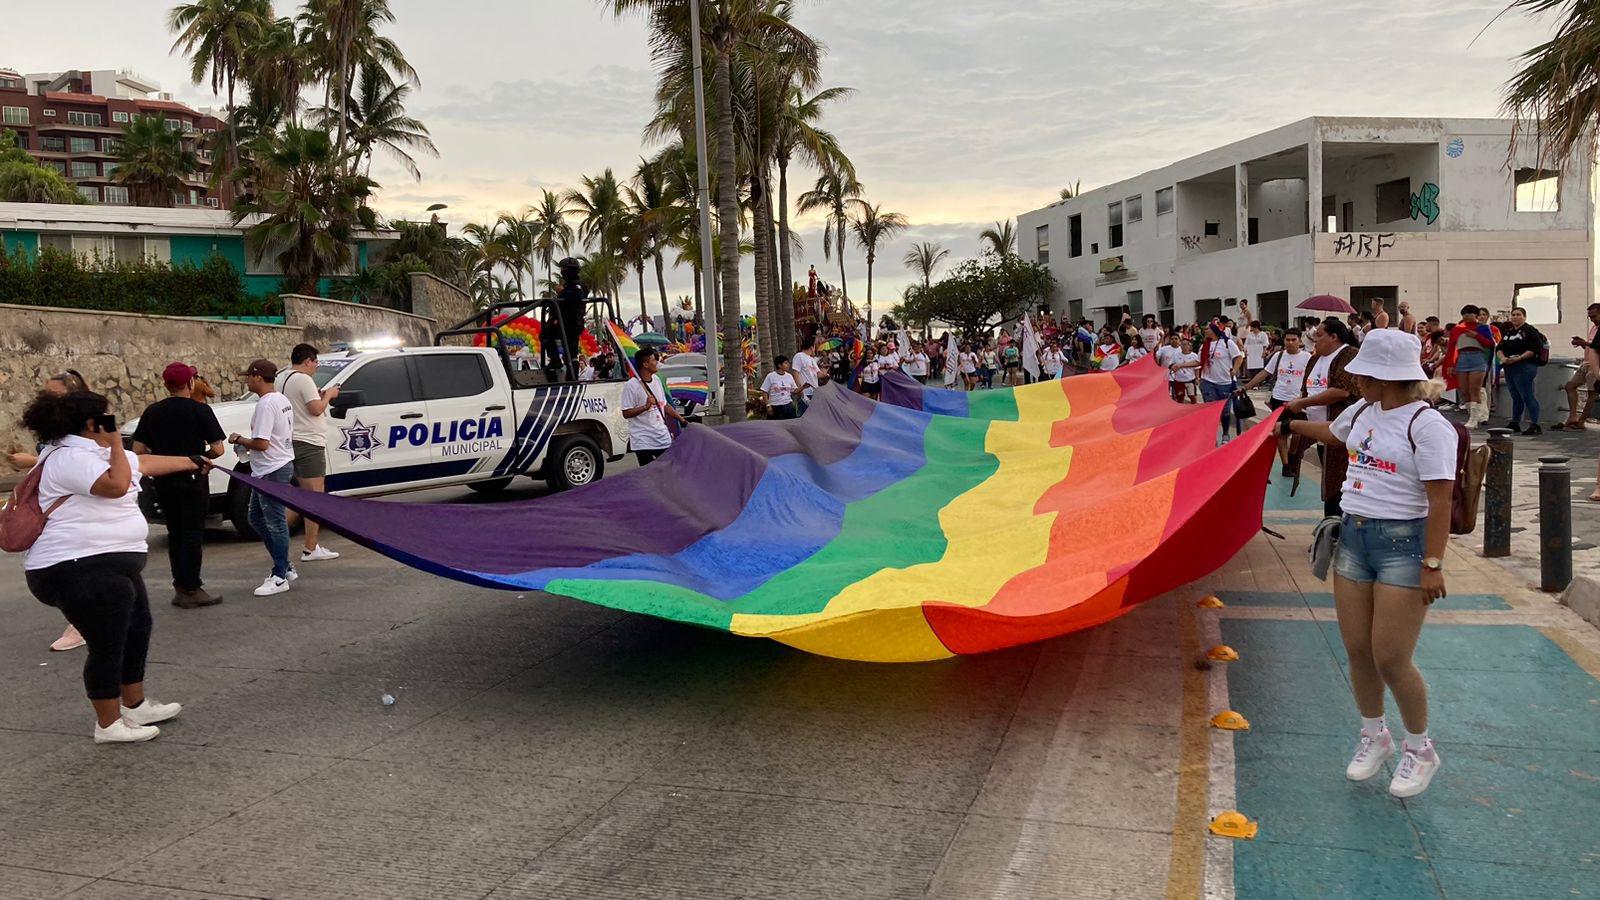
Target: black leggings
(104, 598)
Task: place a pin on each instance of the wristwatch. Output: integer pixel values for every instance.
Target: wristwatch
(1433, 563)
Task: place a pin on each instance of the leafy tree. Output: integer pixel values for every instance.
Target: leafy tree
(1555, 90)
(24, 180)
(342, 35)
(216, 35)
(831, 195)
(377, 119)
(653, 206)
(602, 214)
(981, 294)
(924, 258)
(311, 206)
(153, 162)
(554, 234)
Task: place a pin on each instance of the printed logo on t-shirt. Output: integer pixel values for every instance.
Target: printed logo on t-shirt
(1361, 455)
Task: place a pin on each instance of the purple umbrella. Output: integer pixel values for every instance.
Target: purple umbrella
(1327, 303)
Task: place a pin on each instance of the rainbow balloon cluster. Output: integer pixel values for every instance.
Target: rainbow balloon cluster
(523, 331)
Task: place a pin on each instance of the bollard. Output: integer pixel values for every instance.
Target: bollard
(1497, 495)
(1555, 524)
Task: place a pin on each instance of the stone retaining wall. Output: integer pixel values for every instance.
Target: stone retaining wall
(121, 355)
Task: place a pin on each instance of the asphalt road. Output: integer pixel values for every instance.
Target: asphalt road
(541, 747)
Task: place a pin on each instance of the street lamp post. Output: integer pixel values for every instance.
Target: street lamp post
(713, 324)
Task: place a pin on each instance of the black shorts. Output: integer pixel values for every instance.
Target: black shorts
(1274, 403)
(871, 387)
(646, 457)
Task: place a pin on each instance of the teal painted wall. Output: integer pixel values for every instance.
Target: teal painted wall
(27, 241)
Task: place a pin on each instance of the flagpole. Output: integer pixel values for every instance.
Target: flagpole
(713, 323)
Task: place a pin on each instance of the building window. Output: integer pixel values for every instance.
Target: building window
(82, 145)
(107, 169)
(110, 145)
(1163, 298)
(14, 115)
(1135, 208)
(1538, 191)
(90, 192)
(1114, 225)
(1041, 243)
(84, 169)
(1075, 236)
(74, 117)
(1542, 301)
(1136, 302)
(121, 117)
(115, 193)
(1394, 200)
(58, 165)
(1213, 228)
(1163, 201)
(49, 113)
(21, 139)
(174, 125)
(188, 126)
(194, 197)
(53, 144)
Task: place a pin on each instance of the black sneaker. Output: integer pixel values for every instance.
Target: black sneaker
(1516, 427)
(1534, 430)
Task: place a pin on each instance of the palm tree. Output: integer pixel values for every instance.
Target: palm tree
(277, 66)
(153, 163)
(1002, 238)
(311, 206)
(873, 227)
(832, 195)
(377, 118)
(24, 180)
(654, 208)
(599, 206)
(1072, 190)
(216, 35)
(799, 137)
(515, 236)
(924, 258)
(1555, 88)
(555, 235)
(342, 35)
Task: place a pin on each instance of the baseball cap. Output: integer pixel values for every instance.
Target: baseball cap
(178, 374)
(262, 367)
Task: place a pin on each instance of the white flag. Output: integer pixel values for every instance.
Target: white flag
(1030, 348)
(952, 357)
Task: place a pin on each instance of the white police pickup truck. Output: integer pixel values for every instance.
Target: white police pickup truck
(408, 419)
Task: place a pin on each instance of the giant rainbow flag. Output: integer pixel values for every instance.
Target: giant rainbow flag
(932, 524)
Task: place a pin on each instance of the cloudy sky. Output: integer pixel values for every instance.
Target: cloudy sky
(965, 112)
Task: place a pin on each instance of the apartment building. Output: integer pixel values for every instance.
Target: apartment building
(1435, 212)
(72, 122)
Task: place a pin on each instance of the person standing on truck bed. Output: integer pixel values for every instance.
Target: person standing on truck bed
(645, 407)
(310, 408)
(271, 459)
(182, 426)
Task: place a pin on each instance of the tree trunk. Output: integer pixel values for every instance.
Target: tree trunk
(785, 264)
(644, 311)
(872, 323)
(766, 348)
(699, 301)
(728, 221)
(839, 226)
(661, 285)
(344, 89)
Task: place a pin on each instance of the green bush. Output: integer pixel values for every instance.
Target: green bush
(56, 278)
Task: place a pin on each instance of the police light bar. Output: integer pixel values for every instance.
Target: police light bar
(386, 342)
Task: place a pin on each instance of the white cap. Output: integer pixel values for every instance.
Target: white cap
(1389, 354)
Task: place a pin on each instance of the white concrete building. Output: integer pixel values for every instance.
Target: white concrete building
(1430, 211)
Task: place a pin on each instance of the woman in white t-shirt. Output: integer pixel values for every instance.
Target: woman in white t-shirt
(1051, 361)
(1185, 369)
(88, 562)
(1219, 373)
(967, 363)
(1389, 564)
(780, 388)
(916, 364)
(1137, 350)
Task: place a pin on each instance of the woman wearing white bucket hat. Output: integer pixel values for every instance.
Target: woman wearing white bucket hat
(1389, 567)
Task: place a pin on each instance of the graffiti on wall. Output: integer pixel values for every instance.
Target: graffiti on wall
(1425, 203)
(1190, 241)
(1365, 246)
(1455, 148)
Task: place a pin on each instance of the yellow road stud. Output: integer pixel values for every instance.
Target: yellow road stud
(1228, 720)
(1210, 601)
(1222, 653)
(1233, 824)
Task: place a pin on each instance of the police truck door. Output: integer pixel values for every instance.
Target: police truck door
(372, 446)
(469, 406)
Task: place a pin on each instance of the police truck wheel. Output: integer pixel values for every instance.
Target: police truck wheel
(239, 511)
(574, 461)
(493, 486)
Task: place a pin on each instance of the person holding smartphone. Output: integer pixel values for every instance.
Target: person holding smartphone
(89, 560)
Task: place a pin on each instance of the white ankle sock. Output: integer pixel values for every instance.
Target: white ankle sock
(1373, 727)
(1416, 741)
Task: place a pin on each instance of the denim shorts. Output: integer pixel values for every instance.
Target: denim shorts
(1472, 361)
(1388, 551)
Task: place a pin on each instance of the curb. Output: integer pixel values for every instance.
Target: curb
(1582, 596)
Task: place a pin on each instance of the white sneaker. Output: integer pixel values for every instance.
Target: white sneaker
(293, 575)
(150, 712)
(273, 585)
(1416, 769)
(319, 553)
(124, 732)
(1370, 756)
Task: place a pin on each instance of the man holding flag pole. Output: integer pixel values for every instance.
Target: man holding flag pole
(644, 400)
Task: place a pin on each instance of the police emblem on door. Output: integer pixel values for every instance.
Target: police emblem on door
(358, 440)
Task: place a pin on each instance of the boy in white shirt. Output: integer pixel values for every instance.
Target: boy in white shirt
(271, 459)
(1185, 368)
(807, 372)
(645, 406)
